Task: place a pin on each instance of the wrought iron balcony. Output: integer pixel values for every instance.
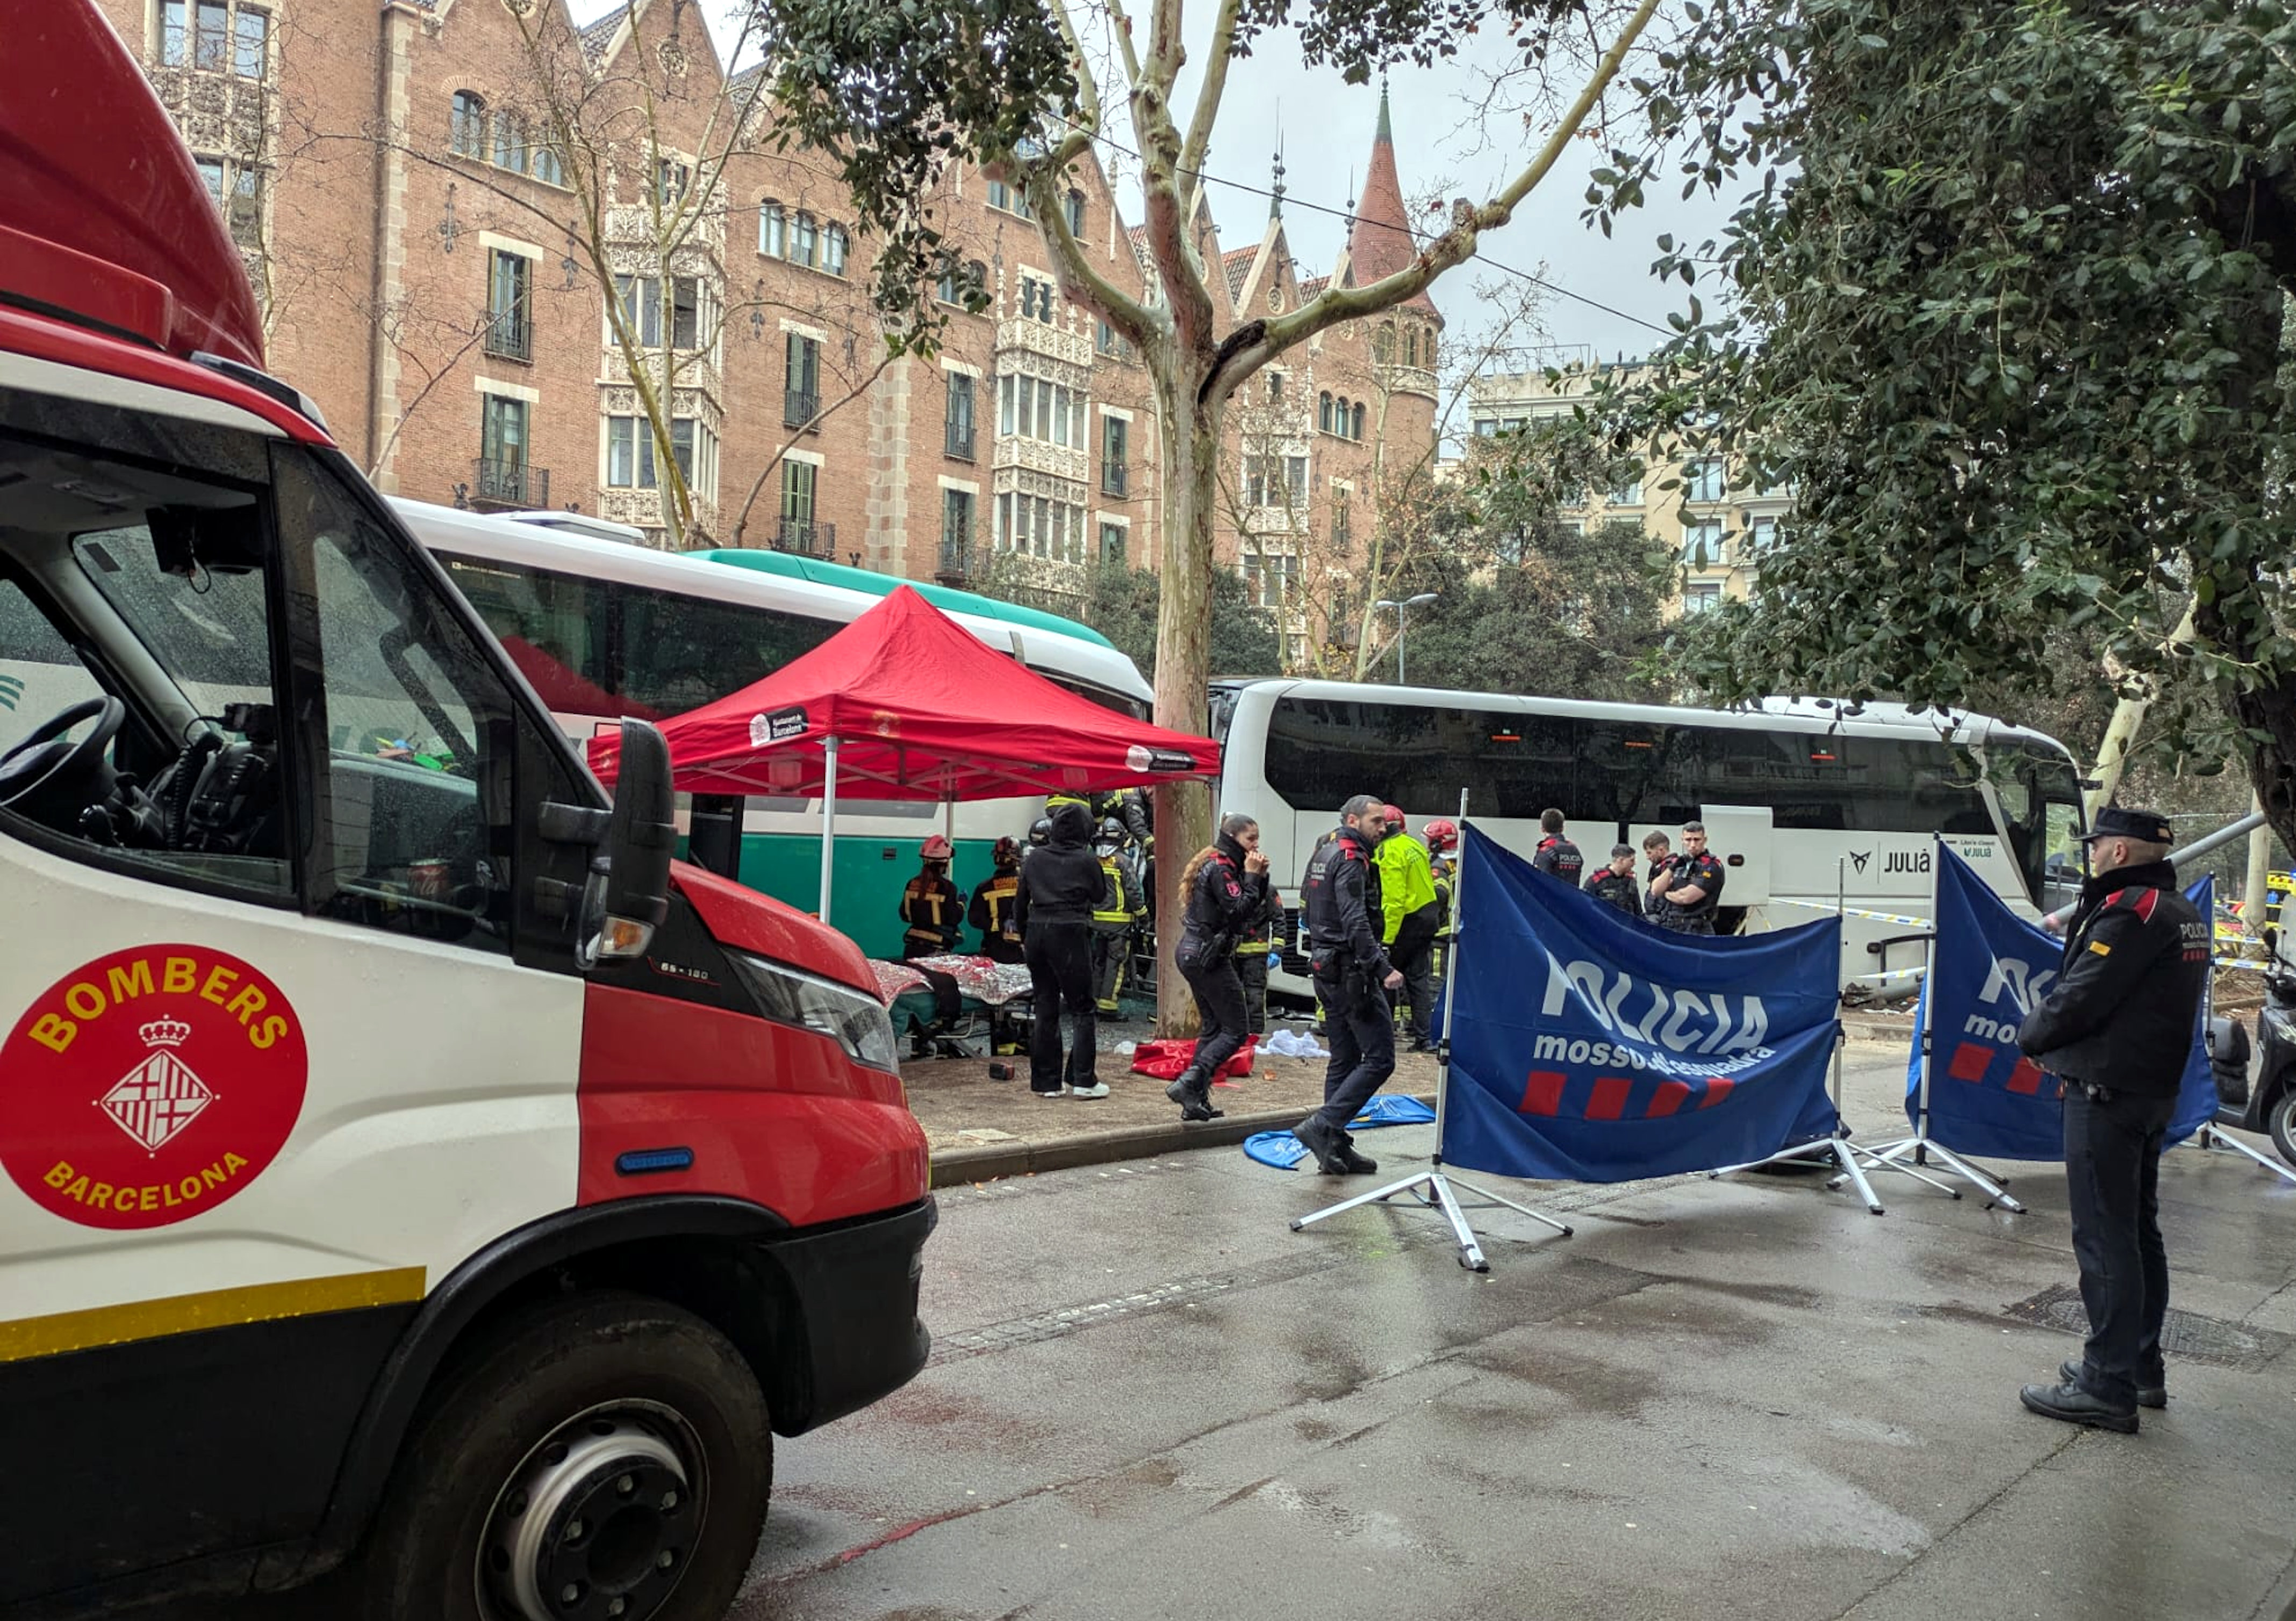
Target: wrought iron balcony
(806, 537)
(959, 441)
(509, 336)
(1115, 478)
(955, 562)
(799, 407)
(503, 482)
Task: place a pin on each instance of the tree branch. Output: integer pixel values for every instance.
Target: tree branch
(1208, 105)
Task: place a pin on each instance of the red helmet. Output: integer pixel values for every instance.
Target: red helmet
(1441, 834)
(939, 848)
(1392, 815)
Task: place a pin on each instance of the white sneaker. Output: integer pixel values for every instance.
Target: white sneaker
(1099, 1089)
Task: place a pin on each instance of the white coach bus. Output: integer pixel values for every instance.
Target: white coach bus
(603, 629)
(1800, 796)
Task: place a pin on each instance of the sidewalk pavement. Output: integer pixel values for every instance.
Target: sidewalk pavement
(981, 1129)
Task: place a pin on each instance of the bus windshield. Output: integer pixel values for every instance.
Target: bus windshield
(2039, 792)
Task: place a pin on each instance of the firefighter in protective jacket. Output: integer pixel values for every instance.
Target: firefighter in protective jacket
(932, 907)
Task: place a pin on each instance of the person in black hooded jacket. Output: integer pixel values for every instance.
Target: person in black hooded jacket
(1223, 890)
(1061, 884)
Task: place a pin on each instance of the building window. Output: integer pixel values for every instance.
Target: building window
(251, 36)
(1427, 349)
(1295, 481)
(1411, 346)
(1115, 451)
(1009, 198)
(468, 135)
(956, 530)
(1323, 410)
(211, 34)
(1358, 424)
(1701, 544)
(509, 332)
(835, 245)
(1275, 387)
(1072, 208)
(1761, 535)
(510, 141)
(1700, 599)
(238, 193)
(958, 440)
(641, 302)
(629, 453)
(685, 313)
(1627, 492)
(671, 179)
(773, 231)
(1703, 481)
(1342, 534)
(1032, 408)
(175, 30)
(1035, 299)
(805, 241)
(502, 450)
(1487, 427)
(1111, 545)
(802, 389)
(1383, 345)
(798, 487)
(549, 167)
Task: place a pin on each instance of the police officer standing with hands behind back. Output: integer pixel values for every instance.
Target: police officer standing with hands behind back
(2116, 1028)
(1341, 895)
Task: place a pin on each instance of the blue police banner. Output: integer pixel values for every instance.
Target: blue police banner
(1590, 1046)
(1990, 969)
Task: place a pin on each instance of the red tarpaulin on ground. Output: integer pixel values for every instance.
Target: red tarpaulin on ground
(921, 710)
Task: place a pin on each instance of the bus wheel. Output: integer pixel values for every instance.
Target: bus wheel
(602, 1457)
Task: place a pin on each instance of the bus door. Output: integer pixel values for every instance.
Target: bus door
(286, 1032)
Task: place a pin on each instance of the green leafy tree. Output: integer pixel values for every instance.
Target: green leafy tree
(895, 94)
(1120, 603)
(2005, 303)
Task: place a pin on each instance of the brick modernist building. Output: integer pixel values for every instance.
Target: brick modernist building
(419, 251)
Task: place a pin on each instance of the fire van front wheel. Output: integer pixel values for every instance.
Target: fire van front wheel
(600, 1458)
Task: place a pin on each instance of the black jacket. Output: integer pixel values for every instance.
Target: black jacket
(1559, 857)
(1062, 881)
(1618, 889)
(1340, 895)
(2122, 1011)
(933, 908)
(1224, 904)
(993, 901)
(1704, 870)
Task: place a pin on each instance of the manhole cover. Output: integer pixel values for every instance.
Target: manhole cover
(2186, 1336)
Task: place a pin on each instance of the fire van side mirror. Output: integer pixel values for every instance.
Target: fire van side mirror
(641, 837)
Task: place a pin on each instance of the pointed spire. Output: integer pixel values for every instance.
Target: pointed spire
(1275, 191)
(1386, 137)
(1381, 240)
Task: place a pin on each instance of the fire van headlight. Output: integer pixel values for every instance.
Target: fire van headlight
(854, 1019)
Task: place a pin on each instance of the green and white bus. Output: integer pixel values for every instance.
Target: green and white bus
(603, 629)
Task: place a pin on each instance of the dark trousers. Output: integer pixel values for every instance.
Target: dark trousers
(1251, 973)
(1059, 970)
(1219, 1001)
(1108, 953)
(1413, 957)
(1357, 1023)
(1702, 924)
(2113, 1183)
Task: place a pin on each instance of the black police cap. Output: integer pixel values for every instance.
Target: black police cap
(2114, 822)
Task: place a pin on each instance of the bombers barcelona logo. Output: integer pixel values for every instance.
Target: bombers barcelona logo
(149, 1085)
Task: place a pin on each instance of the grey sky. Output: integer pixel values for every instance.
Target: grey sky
(1326, 128)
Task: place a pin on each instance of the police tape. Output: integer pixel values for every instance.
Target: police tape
(1878, 917)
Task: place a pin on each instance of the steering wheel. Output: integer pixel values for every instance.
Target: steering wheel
(45, 759)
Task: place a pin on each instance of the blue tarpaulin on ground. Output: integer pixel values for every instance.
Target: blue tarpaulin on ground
(1588, 1047)
(1990, 968)
(1283, 1151)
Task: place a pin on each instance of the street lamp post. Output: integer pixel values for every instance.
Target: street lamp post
(1401, 610)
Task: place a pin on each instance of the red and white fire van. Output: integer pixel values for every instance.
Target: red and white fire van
(412, 1179)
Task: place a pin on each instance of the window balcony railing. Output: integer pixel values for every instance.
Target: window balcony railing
(1115, 478)
(806, 537)
(503, 482)
(955, 562)
(799, 407)
(510, 338)
(959, 441)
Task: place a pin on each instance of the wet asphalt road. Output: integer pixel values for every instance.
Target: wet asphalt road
(1150, 1399)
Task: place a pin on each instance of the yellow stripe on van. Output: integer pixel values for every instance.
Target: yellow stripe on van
(215, 1308)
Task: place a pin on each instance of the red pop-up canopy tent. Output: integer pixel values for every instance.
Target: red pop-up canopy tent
(905, 704)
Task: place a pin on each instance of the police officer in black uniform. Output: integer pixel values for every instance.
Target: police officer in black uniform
(2116, 1028)
(1615, 886)
(1556, 855)
(1694, 885)
(1352, 975)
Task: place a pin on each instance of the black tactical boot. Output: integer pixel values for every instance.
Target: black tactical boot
(2069, 1404)
(2148, 1395)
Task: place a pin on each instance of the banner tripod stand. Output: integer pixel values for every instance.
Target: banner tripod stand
(1845, 1154)
(1921, 1148)
(1433, 1187)
(2210, 1137)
